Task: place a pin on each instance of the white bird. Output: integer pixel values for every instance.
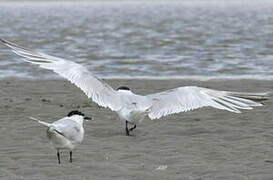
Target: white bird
(65, 133)
(132, 107)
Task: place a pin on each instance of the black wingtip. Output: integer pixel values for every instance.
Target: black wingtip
(3, 41)
(13, 45)
(7, 43)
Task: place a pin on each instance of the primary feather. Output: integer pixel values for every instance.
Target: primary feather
(188, 98)
(98, 91)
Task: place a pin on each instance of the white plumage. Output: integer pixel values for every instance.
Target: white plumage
(65, 133)
(131, 107)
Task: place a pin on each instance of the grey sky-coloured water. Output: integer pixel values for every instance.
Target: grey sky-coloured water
(143, 39)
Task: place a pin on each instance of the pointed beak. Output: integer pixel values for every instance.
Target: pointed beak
(87, 118)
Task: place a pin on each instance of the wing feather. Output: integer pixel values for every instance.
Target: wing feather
(188, 98)
(99, 91)
(68, 128)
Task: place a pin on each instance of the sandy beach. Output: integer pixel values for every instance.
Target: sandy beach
(204, 144)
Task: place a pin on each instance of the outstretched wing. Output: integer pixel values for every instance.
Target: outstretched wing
(98, 91)
(188, 98)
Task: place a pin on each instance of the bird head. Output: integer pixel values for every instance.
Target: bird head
(76, 112)
(123, 88)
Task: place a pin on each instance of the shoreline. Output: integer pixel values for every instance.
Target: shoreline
(214, 82)
(176, 78)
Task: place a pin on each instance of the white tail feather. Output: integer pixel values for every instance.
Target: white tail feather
(41, 122)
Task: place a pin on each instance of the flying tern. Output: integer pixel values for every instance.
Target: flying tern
(132, 107)
(65, 133)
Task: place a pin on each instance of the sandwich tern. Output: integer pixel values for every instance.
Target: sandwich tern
(65, 133)
(132, 107)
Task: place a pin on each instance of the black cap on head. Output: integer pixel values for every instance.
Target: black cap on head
(123, 88)
(75, 112)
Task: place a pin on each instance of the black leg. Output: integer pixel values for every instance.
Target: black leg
(58, 156)
(70, 154)
(126, 128)
(132, 128)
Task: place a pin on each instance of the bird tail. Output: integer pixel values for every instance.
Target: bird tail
(41, 122)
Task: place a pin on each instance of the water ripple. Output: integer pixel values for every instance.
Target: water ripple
(143, 39)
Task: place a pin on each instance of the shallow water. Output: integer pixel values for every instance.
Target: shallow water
(143, 39)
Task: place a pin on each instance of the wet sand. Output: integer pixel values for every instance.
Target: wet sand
(204, 144)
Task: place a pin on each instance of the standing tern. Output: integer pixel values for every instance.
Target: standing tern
(132, 107)
(65, 133)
